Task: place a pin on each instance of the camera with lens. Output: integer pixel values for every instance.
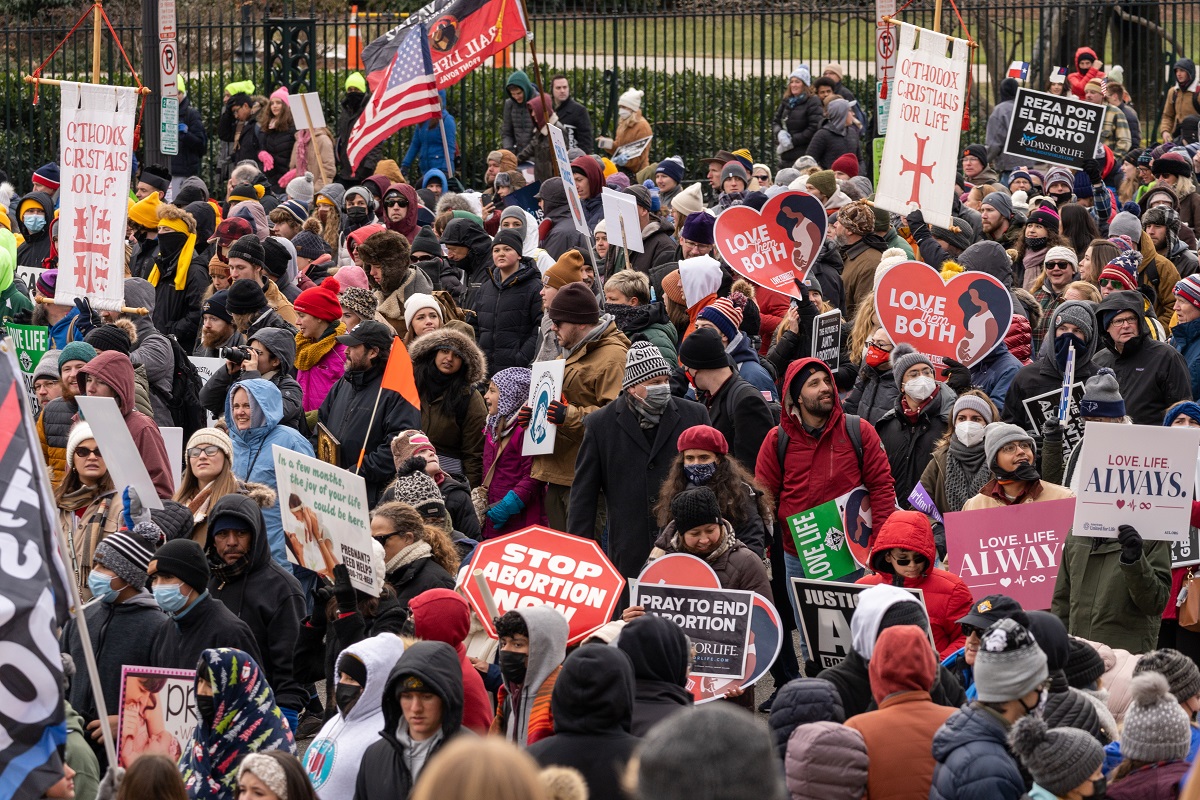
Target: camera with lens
(235, 355)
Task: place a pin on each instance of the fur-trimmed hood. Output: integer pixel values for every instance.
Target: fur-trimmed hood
(427, 346)
(168, 211)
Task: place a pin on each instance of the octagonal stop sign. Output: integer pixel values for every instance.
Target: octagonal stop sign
(539, 566)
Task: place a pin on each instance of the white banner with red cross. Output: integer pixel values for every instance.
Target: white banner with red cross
(96, 158)
(920, 153)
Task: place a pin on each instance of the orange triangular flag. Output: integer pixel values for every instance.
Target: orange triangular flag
(398, 375)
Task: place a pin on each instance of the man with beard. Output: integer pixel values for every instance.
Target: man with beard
(998, 222)
(57, 417)
(574, 117)
(217, 330)
(861, 250)
(1162, 224)
(248, 261)
(353, 103)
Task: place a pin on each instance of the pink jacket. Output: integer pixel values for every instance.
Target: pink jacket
(317, 381)
(512, 473)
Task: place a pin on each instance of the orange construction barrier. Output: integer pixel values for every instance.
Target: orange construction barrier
(353, 47)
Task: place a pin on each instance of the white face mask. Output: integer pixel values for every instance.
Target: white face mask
(920, 388)
(969, 433)
(624, 113)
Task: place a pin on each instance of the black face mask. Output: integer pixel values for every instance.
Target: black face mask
(513, 666)
(1100, 788)
(356, 215)
(171, 244)
(1023, 472)
(354, 100)
(206, 707)
(346, 696)
(1036, 243)
(1060, 200)
(1062, 348)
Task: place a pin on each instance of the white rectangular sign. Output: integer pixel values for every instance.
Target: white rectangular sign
(309, 113)
(1139, 475)
(621, 220)
(545, 388)
(121, 455)
(568, 178)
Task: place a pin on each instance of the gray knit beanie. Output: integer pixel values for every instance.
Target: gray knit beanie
(1001, 202)
(1010, 664)
(1059, 759)
(1102, 398)
(903, 358)
(1183, 677)
(1080, 315)
(998, 434)
(1126, 224)
(1156, 727)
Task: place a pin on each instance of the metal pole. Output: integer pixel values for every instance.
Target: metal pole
(446, 145)
(151, 118)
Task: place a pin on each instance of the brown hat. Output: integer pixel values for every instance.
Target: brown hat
(575, 303)
(672, 286)
(857, 218)
(568, 269)
(722, 157)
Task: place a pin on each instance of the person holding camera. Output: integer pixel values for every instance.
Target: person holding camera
(217, 330)
(271, 355)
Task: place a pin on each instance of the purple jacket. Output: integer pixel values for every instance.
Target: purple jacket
(512, 473)
(316, 382)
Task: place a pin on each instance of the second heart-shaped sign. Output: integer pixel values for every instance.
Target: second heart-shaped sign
(774, 247)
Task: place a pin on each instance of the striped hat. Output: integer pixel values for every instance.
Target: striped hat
(128, 553)
(1123, 268)
(1189, 289)
(726, 314)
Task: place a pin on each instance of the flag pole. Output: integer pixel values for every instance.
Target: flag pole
(445, 144)
(537, 73)
(370, 424)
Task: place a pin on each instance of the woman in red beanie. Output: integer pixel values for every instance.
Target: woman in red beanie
(703, 460)
(320, 360)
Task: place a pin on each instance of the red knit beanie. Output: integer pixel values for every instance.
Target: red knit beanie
(847, 163)
(321, 301)
(703, 437)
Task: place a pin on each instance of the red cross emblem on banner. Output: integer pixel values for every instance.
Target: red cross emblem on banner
(918, 168)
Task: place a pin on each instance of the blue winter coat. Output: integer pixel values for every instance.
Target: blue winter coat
(973, 761)
(426, 147)
(253, 461)
(1186, 339)
(994, 373)
(748, 366)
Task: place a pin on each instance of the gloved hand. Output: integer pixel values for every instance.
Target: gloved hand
(133, 511)
(183, 127)
(785, 140)
(1091, 168)
(321, 594)
(293, 718)
(347, 597)
(501, 512)
(267, 160)
(620, 160)
(1131, 544)
(915, 217)
(958, 377)
(604, 143)
(110, 784)
(88, 317)
(1052, 430)
(524, 415)
(286, 178)
(556, 413)
(655, 199)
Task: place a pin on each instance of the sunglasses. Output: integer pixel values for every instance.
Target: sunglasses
(383, 539)
(970, 630)
(762, 178)
(904, 561)
(88, 452)
(1111, 283)
(1059, 265)
(399, 203)
(209, 450)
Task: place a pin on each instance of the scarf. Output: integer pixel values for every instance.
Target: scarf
(720, 550)
(1032, 262)
(303, 139)
(310, 353)
(647, 417)
(228, 572)
(966, 473)
(730, 199)
(80, 498)
(185, 255)
(415, 551)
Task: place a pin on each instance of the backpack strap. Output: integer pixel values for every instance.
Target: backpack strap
(853, 430)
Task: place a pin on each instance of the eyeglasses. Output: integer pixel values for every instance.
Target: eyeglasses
(970, 630)
(209, 450)
(1121, 322)
(1111, 283)
(904, 561)
(886, 347)
(396, 203)
(88, 452)
(1059, 265)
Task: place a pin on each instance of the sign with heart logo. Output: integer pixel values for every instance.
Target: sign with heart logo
(766, 626)
(962, 319)
(774, 247)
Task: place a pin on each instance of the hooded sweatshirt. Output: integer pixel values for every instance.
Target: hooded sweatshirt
(593, 708)
(517, 128)
(253, 461)
(529, 230)
(332, 760)
(116, 371)
(442, 615)
(558, 229)
(407, 226)
(387, 767)
(659, 651)
(478, 264)
(36, 247)
(524, 714)
(151, 348)
(1043, 374)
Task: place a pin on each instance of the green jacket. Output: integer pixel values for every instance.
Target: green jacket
(81, 757)
(663, 336)
(1099, 598)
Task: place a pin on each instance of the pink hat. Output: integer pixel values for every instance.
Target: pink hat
(352, 275)
(282, 94)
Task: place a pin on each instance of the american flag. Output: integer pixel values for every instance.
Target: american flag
(407, 96)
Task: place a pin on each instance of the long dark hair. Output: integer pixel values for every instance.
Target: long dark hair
(152, 776)
(368, 606)
(1078, 227)
(432, 383)
(729, 483)
(990, 293)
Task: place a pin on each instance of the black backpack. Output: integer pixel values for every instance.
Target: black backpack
(184, 400)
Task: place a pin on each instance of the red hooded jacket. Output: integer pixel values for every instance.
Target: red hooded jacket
(821, 468)
(1079, 79)
(441, 615)
(947, 598)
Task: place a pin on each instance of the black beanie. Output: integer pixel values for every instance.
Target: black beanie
(245, 297)
(248, 248)
(216, 306)
(703, 349)
(694, 507)
(426, 241)
(109, 337)
(183, 558)
(510, 238)
(801, 377)
(275, 257)
(575, 303)
(1084, 665)
(903, 613)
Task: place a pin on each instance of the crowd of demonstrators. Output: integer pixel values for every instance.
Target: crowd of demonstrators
(692, 419)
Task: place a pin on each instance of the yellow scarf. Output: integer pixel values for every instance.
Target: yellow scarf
(185, 255)
(310, 353)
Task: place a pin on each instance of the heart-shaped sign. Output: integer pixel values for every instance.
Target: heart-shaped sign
(774, 247)
(963, 319)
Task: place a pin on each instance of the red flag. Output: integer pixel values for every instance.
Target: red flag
(398, 374)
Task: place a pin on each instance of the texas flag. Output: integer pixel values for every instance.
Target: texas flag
(1019, 70)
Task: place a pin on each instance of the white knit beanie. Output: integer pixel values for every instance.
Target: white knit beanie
(416, 302)
(632, 98)
(890, 258)
(80, 433)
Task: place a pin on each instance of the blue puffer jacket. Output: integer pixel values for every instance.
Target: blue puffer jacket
(1186, 339)
(252, 457)
(973, 761)
(994, 373)
(748, 366)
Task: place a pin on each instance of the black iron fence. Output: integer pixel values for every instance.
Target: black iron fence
(712, 78)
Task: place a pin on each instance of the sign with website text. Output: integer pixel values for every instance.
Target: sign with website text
(157, 714)
(774, 247)
(717, 621)
(1056, 129)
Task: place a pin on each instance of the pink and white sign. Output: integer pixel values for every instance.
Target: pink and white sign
(1013, 550)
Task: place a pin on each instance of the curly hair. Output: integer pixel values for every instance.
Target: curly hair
(865, 323)
(729, 483)
(406, 520)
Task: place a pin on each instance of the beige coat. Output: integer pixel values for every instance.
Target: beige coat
(1050, 491)
(318, 153)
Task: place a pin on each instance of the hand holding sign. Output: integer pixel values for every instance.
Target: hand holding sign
(774, 247)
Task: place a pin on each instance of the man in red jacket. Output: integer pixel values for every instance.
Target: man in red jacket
(820, 461)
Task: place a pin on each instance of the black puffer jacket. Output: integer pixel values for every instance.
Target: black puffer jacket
(177, 311)
(262, 594)
(592, 707)
(385, 773)
(853, 681)
(800, 702)
(658, 649)
(192, 142)
(418, 576)
(509, 316)
(801, 120)
(873, 395)
(279, 143)
(909, 444)
(659, 246)
(478, 264)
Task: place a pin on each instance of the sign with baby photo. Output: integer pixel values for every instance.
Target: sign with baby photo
(1014, 550)
(1139, 475)
(832, 539)
(961, 319)
(325, 519)
(157, 714)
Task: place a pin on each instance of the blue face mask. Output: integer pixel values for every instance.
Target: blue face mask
(101, 587)
(169, 598)
(34, 223)
(700, 474)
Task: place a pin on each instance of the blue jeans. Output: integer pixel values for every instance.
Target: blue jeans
(793, 569)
